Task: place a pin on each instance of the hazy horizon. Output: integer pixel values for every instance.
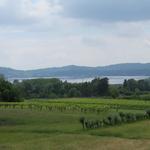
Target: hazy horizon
(53, 33)
(73, 65)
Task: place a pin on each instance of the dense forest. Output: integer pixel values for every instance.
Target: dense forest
(55, 88)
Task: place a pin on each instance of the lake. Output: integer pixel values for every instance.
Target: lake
(112, 79)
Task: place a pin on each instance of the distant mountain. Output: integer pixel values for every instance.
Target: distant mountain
(72, 71)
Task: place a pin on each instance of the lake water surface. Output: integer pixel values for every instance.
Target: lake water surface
(112, 79)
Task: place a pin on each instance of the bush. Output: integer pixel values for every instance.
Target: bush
(148, 112)
(140, 116)
(130, 117)
(82, 121)
(115, 119)
(106, 122)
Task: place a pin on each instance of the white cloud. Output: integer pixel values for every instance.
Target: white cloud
(35, 34)
(40, 8)
(26, 11)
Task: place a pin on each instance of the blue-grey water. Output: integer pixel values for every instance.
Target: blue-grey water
(112, 79)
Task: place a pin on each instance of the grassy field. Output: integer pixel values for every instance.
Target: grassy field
(22, 128)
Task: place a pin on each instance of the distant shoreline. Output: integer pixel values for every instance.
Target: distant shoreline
(112, 79)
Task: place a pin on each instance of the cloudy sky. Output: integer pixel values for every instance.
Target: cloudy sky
(48, 33)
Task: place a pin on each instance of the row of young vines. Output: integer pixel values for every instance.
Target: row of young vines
(63, 107)
(114, 119)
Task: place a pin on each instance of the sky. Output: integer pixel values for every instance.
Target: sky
(51, 33)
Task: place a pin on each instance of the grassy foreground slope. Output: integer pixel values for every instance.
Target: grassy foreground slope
(25, 129)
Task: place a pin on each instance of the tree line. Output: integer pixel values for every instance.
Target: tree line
(139, 89)
(55, 88)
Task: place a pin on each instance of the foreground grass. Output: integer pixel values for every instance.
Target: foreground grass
(34, 130)
(77, 142)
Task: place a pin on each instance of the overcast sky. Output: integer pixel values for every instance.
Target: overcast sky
(50, 33)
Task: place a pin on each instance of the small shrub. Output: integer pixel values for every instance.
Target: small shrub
(82, 121)
(117, 119)
(148, 112)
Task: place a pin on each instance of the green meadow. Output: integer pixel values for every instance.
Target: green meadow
(54, 125)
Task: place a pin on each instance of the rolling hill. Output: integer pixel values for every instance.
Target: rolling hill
(72, 71)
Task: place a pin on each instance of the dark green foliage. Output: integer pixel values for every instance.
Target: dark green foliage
(113, 92)
(82, 121)
(73, 92)
(135, 89)
(130, 117)
(148, 112)
(130, 85)
(8, 93)
(117, 119)
(93, 124)
(85, 89)
(100, 87)
(55, 88)
(137, 86)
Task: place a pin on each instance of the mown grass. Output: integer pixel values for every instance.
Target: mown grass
(25, 129)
